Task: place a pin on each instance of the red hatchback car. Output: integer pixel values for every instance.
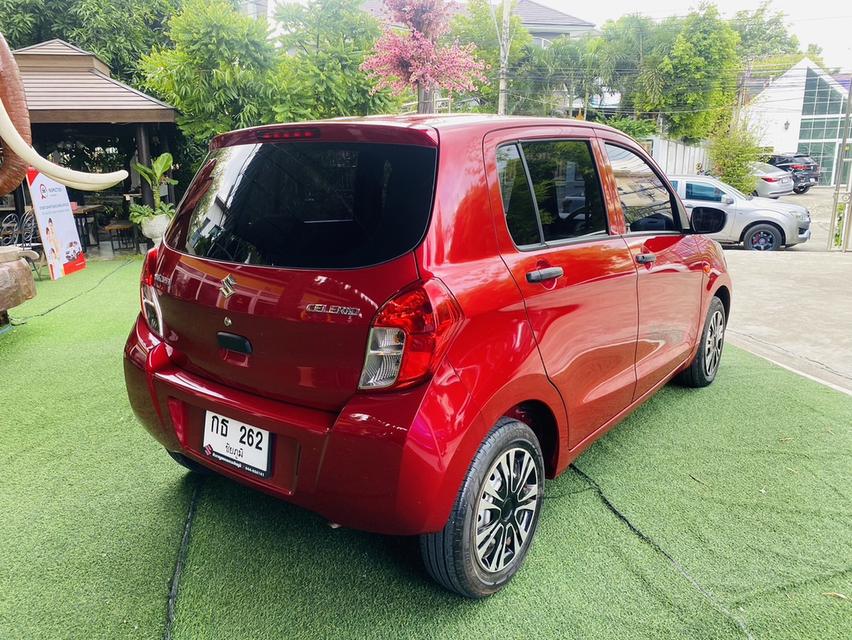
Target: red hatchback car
(406, 324)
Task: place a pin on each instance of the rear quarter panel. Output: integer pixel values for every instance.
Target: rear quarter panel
(494, 352)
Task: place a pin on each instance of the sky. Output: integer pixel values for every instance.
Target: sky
(822, 22)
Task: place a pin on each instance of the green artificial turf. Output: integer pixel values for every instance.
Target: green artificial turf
(718, 513)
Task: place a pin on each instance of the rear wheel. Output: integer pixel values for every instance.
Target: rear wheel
(763, 237)
(704, 366)
(801, 189)
(491, 527)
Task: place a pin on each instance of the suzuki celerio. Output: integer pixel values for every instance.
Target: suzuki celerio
(406, 324)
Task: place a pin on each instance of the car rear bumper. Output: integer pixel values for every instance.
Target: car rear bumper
(803, 178)
(372, 466)
(776, 191)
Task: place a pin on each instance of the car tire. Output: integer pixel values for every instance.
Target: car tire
(189, 463)
(763, 237)
(705, 365)
(802, 189)
(470, 554)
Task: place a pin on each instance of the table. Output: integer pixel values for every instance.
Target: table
(122, 235)
(87, 224)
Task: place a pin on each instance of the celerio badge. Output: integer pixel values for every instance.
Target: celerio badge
(333, 309)
(227, 288)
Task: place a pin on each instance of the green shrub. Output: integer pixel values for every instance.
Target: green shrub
(732, 151)
(635, 128)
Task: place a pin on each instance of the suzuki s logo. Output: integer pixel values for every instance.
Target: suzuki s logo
(227, 288)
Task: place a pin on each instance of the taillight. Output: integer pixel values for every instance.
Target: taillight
(409, 335)
(799, 167)
(148, 294)
(769, 179)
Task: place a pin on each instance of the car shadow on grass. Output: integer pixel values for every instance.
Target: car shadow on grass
(259, 567)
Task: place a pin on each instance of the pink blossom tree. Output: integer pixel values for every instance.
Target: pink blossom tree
(414, 58)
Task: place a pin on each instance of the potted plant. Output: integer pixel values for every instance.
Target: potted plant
(154, 220)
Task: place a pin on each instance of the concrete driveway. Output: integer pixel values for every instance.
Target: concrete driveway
(794, 306)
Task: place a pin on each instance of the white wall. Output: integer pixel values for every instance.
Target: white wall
(676, 158)
(776, 106)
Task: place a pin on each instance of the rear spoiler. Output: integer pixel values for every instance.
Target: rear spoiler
(378, 132)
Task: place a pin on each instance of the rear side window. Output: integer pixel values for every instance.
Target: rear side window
(645, 200)
(567, 201)
(309, 204)
(517, 198)
(705, 192)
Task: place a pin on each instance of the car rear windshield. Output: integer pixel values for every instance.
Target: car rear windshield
(308, 204)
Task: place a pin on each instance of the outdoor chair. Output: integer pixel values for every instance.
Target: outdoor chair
(9, 230)
(29, 232)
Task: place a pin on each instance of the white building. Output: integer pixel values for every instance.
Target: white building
(803, 110)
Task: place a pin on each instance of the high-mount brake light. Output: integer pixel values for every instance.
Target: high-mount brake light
(148, 294)
(409, 335)
(289, 134)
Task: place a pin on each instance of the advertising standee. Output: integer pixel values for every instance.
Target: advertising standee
(59, 237)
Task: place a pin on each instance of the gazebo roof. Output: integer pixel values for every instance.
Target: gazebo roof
(65, 84)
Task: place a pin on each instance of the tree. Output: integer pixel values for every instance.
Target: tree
(118, 31)
(635, 128)
(26, 22)
(481, 26)
(732, 151)
(414, 58)
(219, 71)
(763, 33)
(696, 79)
(328, 41)
(631, 54)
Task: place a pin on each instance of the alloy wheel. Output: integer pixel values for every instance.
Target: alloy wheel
(506, 510)
(762, 241)
(713, 343)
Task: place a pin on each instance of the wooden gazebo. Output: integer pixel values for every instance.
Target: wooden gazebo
(72, 97)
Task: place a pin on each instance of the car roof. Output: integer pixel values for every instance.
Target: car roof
(694, 177)
(437, 122)
(765, 166)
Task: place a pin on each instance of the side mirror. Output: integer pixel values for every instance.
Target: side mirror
(708, 221)
(727, 199)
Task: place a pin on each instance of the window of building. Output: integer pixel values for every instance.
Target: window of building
(823, 154)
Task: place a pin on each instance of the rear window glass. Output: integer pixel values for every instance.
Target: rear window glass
(308, 204)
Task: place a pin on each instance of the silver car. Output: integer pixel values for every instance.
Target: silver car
(760, 224)
(771, 182)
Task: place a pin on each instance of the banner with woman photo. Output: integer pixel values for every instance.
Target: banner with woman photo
(59, 237)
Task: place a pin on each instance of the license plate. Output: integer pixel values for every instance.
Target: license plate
(812, 179)
(237, 444)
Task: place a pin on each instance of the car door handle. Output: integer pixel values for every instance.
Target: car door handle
(550, 273)
(688, 206)
(646, 258)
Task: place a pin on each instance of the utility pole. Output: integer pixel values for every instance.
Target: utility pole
(504, 58)
(741, 92)
(838, 176)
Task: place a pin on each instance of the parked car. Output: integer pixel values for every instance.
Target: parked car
(772, 182)
(804, 169)
(377, 320)
(761, 224)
